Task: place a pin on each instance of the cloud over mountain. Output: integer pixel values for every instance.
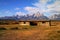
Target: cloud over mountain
(46, 7)
(20, 13)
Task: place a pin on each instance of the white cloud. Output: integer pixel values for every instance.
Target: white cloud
(40, 7)
(54, 8)
(7, 11)
(20, 13)
(43, 7)
(32, 9)
(17, 8)
(48, 8)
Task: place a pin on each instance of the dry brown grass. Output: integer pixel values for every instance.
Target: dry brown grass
(37, 33)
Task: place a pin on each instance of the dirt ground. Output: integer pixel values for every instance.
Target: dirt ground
(38, 33)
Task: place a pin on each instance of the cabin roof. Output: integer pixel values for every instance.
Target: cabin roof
(27, 20)
(54, 20)
(34, 20)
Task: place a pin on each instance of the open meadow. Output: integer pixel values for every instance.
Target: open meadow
(31, 33)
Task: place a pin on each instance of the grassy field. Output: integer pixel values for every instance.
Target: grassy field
(32, 33)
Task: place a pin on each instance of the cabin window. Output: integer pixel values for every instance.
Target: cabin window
(33, 23)
(43, 22)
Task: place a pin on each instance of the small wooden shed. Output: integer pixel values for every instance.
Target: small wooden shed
(35, 22)
(55, 22)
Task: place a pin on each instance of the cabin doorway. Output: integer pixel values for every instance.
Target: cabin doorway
(33, 23)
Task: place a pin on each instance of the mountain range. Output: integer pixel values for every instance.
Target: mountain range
(37, 16)
(55, 17)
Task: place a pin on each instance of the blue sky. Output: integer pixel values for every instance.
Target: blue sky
(23, 7)
(10, 5)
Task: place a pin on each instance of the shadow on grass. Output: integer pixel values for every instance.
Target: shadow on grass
(3, 29)
(15, 28)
